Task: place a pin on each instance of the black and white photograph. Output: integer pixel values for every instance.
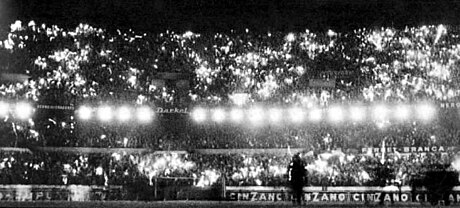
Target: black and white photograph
(229, 103)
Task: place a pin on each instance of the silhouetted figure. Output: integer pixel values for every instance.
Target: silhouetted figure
(297, 177)
(385, 174)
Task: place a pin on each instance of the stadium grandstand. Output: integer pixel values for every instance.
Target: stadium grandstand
(93, 113)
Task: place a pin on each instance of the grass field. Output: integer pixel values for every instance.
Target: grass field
(193, 204)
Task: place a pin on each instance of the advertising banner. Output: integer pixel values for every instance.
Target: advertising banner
(335, 194)
(57, 193)
(406, 149)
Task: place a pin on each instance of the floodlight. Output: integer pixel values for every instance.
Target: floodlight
(236, 114)
(84, 112)
(255, 115)
(104, 113)
(380, 112)
(199, 114)
(402, 112)
(124, 113)
(296, 114)
(4, 109)
(315, 114)
(23, 110)
(335, 114)
(426, 112)
(144, 114)
(218, 115)
(275, 114)
(357, 113)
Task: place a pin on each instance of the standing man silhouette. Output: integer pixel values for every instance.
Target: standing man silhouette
(297, 175)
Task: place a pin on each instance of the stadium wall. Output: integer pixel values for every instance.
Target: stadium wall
(232, 193)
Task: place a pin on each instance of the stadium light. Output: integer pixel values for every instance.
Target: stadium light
(218, 115)
(199, 114)
(296, 114)
(426, 112)
(104, 113)
(84, 112)
(402, 112)
(124, 113)
(380, 112)
(357, 113)
(256, 115)
(144, 114)
(236, 115)
(335, 114)
(275, 114)
(4, 109)
(23, 110)
(316, 114)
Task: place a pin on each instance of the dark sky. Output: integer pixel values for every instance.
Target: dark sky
(223, 15)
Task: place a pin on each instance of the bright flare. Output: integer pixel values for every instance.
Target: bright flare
(290, 37)
(256, 115)
(357, 113)
(23, 111)
(380, 112)
(144, 114)
(4, 109)
(105, 113)
(316, 114)
(296, 114)
(426, 112)
(402, 112)
(84, 112)
(124, 113)
(275, 114)
(218, 115)
(335, 114)
(199, 114)
(236, 114)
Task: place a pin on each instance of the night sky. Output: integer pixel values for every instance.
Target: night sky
(223, 15)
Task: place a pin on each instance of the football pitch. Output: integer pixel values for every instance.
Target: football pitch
(197, 204)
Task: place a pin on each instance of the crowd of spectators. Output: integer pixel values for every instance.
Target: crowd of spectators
(332, 168)
(92, 66)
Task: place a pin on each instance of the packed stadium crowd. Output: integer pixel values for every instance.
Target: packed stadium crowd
(333, 168)
(92, 66)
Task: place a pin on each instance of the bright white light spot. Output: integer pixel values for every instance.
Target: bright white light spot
(331, 33)
(84, 112)
(290, 37)
(199, 114)
(426, 112)
(104, 113)
(4, 109)
(380, 112)
(335, 114)
(144, 114)
(124, 113)
(188, 34)
(236, 114)
(23, 110)
(275, 114)
(357, 113)
(218, 115)
(316, 114)
(296, 114)
(402, 112)
(256, 115)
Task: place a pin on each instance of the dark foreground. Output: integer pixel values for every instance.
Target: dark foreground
(179, 204)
